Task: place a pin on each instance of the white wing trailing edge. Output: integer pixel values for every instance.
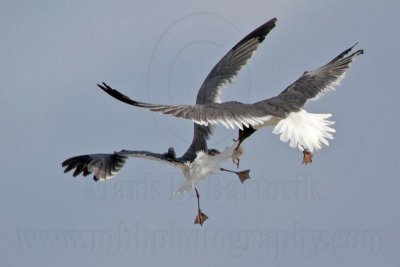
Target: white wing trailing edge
(304, 130)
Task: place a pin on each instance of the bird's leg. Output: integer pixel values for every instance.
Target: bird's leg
(243, 175)
(200, 217)
(307, 156)
(237, 153)
(245, 133)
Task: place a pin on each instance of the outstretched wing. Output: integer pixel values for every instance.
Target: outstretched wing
(218, 78)
(105, 166)
(229, 66)
(313, 84)
(231, 114)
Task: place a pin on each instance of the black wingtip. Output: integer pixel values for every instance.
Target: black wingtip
(358, 52)
(346, 52)
(64, 163)
(260, 33)
(116, 94)
(104, 86)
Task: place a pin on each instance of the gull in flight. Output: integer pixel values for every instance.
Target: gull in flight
(304, 130)
(198, 161)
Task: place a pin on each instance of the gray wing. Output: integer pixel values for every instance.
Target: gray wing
(105, 166)
(235, 114)
(229, 66)
(313, 84)
(220, 76)
(226, 113)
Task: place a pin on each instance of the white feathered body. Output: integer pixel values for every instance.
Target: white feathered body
(203, 166)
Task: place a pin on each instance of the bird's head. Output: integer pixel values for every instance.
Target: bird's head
(213, 151)
(171, 153)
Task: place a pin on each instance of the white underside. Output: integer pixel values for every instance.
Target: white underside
(98, 168)
(305, 130)
(203, 166)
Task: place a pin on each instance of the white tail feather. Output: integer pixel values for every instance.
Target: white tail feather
(305, 130)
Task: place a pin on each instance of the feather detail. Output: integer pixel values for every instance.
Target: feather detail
(305, 130)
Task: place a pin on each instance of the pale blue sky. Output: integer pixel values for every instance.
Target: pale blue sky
(340, 211)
